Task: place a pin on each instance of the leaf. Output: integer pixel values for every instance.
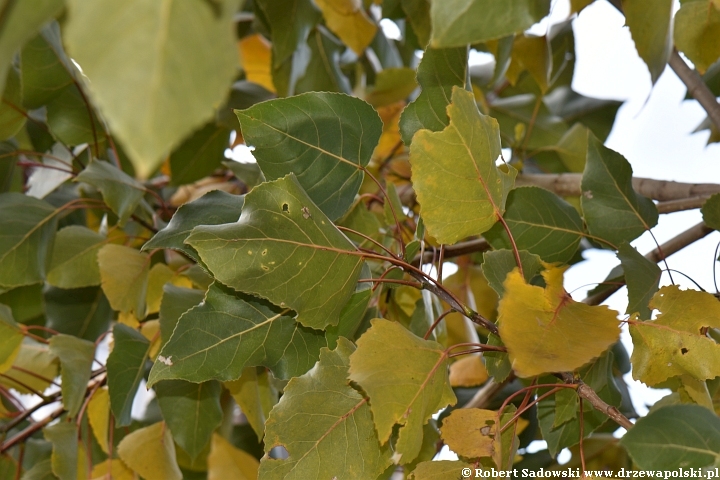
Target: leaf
(114, 469)
(323, 71)
(11, 120)
(63, 436)
(192, 412)
(499, 263)
(36, 358)
(45, 180)
(230, 331)
(439, 71)
(470, 286)
(73, 262)
(531, 54)
(72, 120)
(175, 302)
(457, 167)
(29, 226)
(578, 5)
(546, 331)
(391, 85)
(150, 451)
(471, 432)
(418, 14)
(255, 396)
(76, 357)
(81, 312)
(687, 435)
(697, 32)
(541, 223)
(459, 22)
(325, 426)
(255, 57)
(469, 371)
(153, 97)
(406, 380)
(674, 343)
(290, 24)
(612, 209)
(199, 155)
(21, 21)
(711, 212)
(285, 249)
(11, 338)
(124, 273)
(225, 461)
(121, 192)
(125, 366)
(26, 303)
(440, 469)
(98, 413)
(651, 29)
(325, 139)
(347, 19)
(642, 277)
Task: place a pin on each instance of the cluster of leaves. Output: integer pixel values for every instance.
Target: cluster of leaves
(290, 316)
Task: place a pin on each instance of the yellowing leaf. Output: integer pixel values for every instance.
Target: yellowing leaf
(33, 357)
(406, 379)
(347, 19)
(470, 286)
(256, 60)
(159, 275)
(651, 29)
(255, 396)
(151, 331)
(439, 470)
(112, 469)
(674, 343)
(697, 33)
(124, 274)
(150, 451)
(469, 371)
(460, 190)
(10, 338)
(225, 462)
(545, 330)
(471, 432)
(532, 54)
(98, 412)
(63, 436)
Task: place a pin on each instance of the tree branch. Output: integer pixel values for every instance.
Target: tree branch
(696, 87)
(463, 248)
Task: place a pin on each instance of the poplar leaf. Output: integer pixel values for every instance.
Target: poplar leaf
(673, 344)
(73, 262)
(11, 338)
(229, 331)
(325, 425)
(283, 248)
(199, 155)
(499, 263)
(98, 413)
(153, 97)
(471, 432)
(347, 19)
(469, 371)
(651, 29)
(642, 277)
(697, 32)
(126, 366)
(439, 470)
(457, 167)
(175, 302)
(124, 274)
(288, 29)
(63, 436)
(256, 61)
(255, 396)
(711, 212)
(225, 461)
(325, 139)
(114, 469)
(76, 357)
(406, 380)
(36, 358)
(150, 451)
(545, 330)
(612, 209)
(121, 192)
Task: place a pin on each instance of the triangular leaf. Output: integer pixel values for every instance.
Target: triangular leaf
(255, 396)
(199, 155)
(347, 19)
(499, 263)
(74, 258)
(11, 338)
(126, 366)
(63, 436)
(697, 32)
(150, 451)
(124, 273)
(175, 302)
(642, 277)
(76, 357)
(651, 29)
(225, 462)
(121, 192)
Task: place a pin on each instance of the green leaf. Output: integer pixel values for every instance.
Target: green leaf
(28, 229)
(612, 209)
(686, 436)
(651, 29)
(711, 212)
(150, 452)
(11, 338)
(255, 395)
(674, 344)
(76, 357)
(323, 71)
(457, 167)
(285, 249)
(121, 192)
(541, 223)
(697, 32)
(152, 97)
(25, 302)
(406, 380)
(290, 24)
(36, 358)
(63, 436)
(192, 411)
(21, 20)
(71, 118)
(497, 363)
(531, 54)
(175, 302)
(125, 366)
(124, 273)
(11, 113)
(325, 426)
(230, 331)
(499, 263)
(391, 85)
(45, 68)
(418, 14)
(199, 155)
(546, 331)
(642, 277)
(325, 139)
(213, 208)
(459, 22)
(73, 262)
(81, 312)
(595, 113)
(439, 71)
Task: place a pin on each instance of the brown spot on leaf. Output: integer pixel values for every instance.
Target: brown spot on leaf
(683, 350)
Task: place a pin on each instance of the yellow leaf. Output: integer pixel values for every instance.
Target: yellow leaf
(469, 371)
(124, 275)
(226, 461)
(347, 19)
(129, 319)
(471, 288)
(255, 396)
(256, 60)
(390, 138)
(98, 412)
(150, 452)
(159, 275)
(112, 470)
(545, 330)
(532, 54)
(674, 343)
(151, 331)
(470, 432)
(697, 33)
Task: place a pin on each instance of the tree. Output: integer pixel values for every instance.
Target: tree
(307, 288)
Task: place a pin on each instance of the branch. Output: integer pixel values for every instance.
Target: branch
(463, 248)
(696, 87)
(674, 245)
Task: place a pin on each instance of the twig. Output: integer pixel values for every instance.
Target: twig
(463, 248)
(22, 436)
(696, 87)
